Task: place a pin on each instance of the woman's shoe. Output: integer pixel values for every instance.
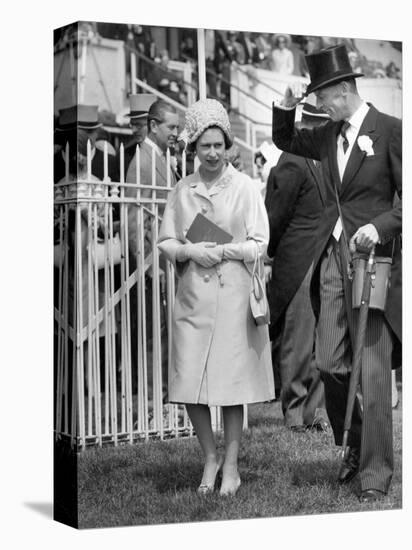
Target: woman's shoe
(229, 490)
(207, 488)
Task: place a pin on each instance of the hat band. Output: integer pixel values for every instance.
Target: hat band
(88, 125)
(329, 80)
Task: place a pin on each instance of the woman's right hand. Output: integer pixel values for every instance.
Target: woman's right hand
(206, 254)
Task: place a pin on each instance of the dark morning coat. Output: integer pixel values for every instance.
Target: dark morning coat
(294, 207)
(367, 193)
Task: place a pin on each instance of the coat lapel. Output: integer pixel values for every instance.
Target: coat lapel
(316, 174)
(332, 156)
(356, 158)
(199, 187)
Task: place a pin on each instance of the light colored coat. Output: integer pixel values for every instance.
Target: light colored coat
(219, 355)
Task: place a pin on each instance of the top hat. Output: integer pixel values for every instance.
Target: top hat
(310, 112)
(329, 66)
(78, 116)
(140, 105)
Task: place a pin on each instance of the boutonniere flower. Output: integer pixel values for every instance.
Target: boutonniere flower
(366, 145)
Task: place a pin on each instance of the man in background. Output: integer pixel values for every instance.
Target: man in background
(294, 205)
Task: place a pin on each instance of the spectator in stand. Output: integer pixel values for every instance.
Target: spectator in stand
(312, 44)
(236, 48)
(264, 50)
(222, 63)
(188, 49)
(249, 45)
(392, 71)
(211, 64)
(300, 67)
(140, 39)
(281, 60)
(165, 80)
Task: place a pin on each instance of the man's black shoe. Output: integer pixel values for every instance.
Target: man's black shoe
(350, 466)
(371, 495)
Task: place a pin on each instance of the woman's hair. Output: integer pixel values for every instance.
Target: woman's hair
(191, 147)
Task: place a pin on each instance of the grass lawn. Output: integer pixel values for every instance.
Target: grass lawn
(283, 474)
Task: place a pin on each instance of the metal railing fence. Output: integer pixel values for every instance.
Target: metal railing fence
(113, 309)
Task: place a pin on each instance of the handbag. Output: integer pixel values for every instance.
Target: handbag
(258, 300)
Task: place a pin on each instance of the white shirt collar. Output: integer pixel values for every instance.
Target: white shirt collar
(359, 115)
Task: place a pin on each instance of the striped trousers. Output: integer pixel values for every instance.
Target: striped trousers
(336, 330)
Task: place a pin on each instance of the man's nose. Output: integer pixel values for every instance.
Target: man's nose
(319, 104)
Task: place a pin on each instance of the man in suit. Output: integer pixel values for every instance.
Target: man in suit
(162, 123)
(294, 208)
(139, 107)
(360, 151)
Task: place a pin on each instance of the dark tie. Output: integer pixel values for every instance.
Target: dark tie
(343, 131)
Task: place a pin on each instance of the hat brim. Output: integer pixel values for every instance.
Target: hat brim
(312, 87)
(141, 115)
(78, 127)
(322, 116)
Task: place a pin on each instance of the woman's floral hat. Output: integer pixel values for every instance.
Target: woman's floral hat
(202, 115)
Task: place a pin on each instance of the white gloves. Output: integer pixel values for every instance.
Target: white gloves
(206, 254)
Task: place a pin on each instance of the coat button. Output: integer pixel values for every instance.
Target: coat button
(206, 278)
(204, 209)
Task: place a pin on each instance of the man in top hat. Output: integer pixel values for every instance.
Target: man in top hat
(139, 107)
(294, 207)
(84, 118)
(360, 151)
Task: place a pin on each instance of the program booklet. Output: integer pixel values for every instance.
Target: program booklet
(204, 230)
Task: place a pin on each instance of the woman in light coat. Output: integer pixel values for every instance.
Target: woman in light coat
(220, 357)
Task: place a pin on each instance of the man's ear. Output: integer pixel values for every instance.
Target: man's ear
(345, 87)
(153, 126)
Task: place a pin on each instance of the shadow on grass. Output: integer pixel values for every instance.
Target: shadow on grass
(166, 478)
(314, 473)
